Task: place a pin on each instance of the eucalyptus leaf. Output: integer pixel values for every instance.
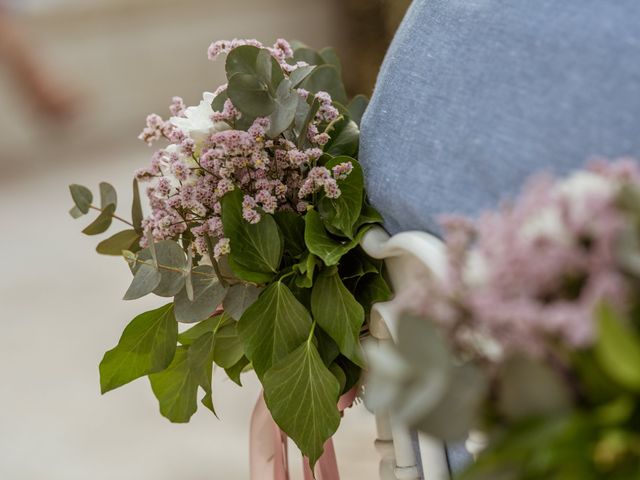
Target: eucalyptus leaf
(256, 249)
(146, 280)
(320, 243)
(218, 102)
(250, 95)
(302, 396)
(618, 348)
(114, 245)
(299, 74)
(136, 209)
(176, 388)
(338, 314)
(239, 297)
(273, 327)
(286, 104)
(108, 195)
(102, 223)
(147, 345)
(308, 55)
(326, 78)
(208, 294)
(255, 61)
(172, 265)
(75, 212)
(356, 107)
(82, 197)
(330, 56)
(343, 212)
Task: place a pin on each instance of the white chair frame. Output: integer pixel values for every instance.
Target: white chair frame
(410, 257)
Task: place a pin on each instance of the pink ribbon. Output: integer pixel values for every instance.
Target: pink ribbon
(268, 458)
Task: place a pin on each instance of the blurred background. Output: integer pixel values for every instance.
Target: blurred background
(77, 78)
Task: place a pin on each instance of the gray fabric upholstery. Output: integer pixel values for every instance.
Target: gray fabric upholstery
(475, 95)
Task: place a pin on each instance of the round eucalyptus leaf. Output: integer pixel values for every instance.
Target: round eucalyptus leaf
(207, 296)
(108, 195)
(286, 103)
(239, 297)
(325, 78)
(82, 197)
(171, 255)
(145, 281)
(250, 95)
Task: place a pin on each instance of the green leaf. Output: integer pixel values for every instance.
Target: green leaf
(273, 327)
(343, 212)
(286, 104)
(108, 195)
(146, 280)
(234, 372)
(250, 95)
(344, 138)
(308, 55)
(338, 314)
(618, 348)
(171, 255)
(102, 223)
(136, 209)
(218, 102)
(176, 388)
(306, 269)
(82, 197)
(371, 289)
(291, 225)
(325, 78)
(299, 74)
(208, 294)
(320, 243)
(75, 212)
(114, 245)
(147, 345)
(330, 56)
(227, 348)
(256, 249)
(356, 108)
(302, 396)
(211, 324)
(254, 61)
(368, 215)
(240, 297)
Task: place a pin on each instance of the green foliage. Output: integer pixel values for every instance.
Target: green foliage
(273, 327)
(356, 108)
(147, 345)
(114, 245)
(343, 212)
(345, 138)
(208, 294)
(256, 250)
(108, 196)
(136, 209)
(172, 264)
(326, 78)
(338, 313)
(321, 243)
(240, 297)
(102, 223)
(82, 198)
(302, 396)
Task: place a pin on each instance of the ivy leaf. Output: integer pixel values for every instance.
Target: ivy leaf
(618, 348)
(240, 297)
(286, 104)
(146, 280)
(102, 223)
(372, 288)
(344, 138)
(169, 254)
(299, 74)
(291, 225)
(227, 348)
(82, 197)
(108, 195)
(343, 212)
(356, 107)
(368, 216)
(136, 209)
(302, 396)
(211, 324)
(320, 243)
(147, 345)
(256, 250)
(114, 245)
(176, 388)
(338, 314)
(273, 326)
(326, 78)
(208, 294)
(234, 372)
(306, 269)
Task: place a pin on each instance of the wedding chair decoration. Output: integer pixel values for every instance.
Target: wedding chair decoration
(530, 332)
(257, 209)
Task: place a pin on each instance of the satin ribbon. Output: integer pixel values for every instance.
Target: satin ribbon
(268, 455)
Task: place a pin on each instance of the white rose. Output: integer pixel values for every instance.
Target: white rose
(197, 123)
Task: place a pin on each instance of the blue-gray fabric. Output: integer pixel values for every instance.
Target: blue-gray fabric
(476, 95)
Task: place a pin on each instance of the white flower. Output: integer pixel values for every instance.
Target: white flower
(582, 186)
(547, 223)
(197, 123)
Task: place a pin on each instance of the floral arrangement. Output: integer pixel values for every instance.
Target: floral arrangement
(533, 336)
(257, 207)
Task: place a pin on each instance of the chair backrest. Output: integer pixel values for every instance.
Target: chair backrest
(475, 95)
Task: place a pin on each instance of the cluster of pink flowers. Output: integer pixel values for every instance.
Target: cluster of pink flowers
(207, 158)
(529, 276)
